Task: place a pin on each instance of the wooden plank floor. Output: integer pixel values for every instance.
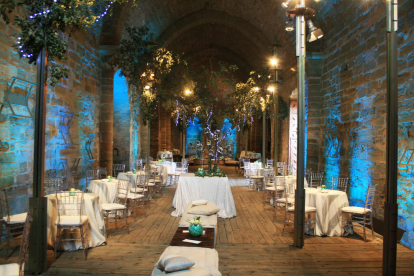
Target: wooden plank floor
(249, 244)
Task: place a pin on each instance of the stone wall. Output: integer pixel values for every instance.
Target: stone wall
(77, 96)
(353, 99)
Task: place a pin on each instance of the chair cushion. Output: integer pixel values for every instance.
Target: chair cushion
(279, 188)
(308, 209)
(112, 206)
(9, 269)
(356, 210)
(199, 202)
(138, 190)
(71, 220)
(257, 176)
(206, 210)
(283, 200)
(19, 218)
(131, 196)
(172, 263)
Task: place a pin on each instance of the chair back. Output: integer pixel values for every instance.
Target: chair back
(289, 191)
(69, 204)
(142, 182)
(269, 162)
(25, 243)
(69, 182)
(168, 159)
(53, 184)
(316, 179)
(268, 176)
(308, 175)
(369, 201)
(117, 168)
(339, 183)
(103, 172)
(123, 191)
(138, 164)
(4, 205)
(280, 168)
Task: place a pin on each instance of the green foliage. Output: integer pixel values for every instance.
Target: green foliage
(37, 32)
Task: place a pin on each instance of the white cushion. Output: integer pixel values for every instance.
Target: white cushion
(307, 209)
(206, 210)
(172, 263)
(9, 269)
(257, 176)
(356, 210)
(204, 258)
(283, 200)
(138, 190)
(199, 202)
(279, 188)
(19, 218)
(151, 184)
(112, 206)
(131, 196)
(71, 220)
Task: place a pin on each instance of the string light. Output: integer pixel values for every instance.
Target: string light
(104, 13)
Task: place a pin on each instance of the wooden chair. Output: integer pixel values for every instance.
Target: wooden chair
(340, 184)
(71, 217)
(117, 168)
(316, 179)
(119, 205)
(310, 212)
(360, 215)
(138, 195)
(18, 269)
(272, 188)
(12, 223)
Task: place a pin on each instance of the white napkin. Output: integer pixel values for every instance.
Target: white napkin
(191, 241)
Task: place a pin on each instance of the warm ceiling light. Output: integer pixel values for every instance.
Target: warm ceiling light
(293, 69)
(256, 89)
(286, 4)
(147, 87)
(273, 62)
(143, 74)
(314, 33)
(271, 89)
(187, 92)
(289, 25)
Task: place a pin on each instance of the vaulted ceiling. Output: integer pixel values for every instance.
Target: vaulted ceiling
(238, 32)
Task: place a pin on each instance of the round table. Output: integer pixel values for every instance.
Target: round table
(106, 190)
(92, 209)
(328, 210)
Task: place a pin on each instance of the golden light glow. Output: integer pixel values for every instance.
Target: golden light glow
(188, 92)
(271, 89)
(143, 74)
(273, 62)
(147, 87)
(256, 89)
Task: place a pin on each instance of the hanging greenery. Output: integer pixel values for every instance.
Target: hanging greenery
(43, 25)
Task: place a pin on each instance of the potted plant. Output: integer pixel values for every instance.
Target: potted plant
(195, 229)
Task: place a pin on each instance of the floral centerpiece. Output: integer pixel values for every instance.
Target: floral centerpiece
(195, 229)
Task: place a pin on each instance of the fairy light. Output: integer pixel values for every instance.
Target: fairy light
(104, 12)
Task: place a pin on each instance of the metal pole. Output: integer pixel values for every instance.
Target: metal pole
(38, 203)
(264, 138)
(183, 146)
(276, 102)
(389, 261)
(298, 240)
(148, 144)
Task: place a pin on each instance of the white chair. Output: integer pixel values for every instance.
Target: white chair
(280, 170)
(119, 205)
(339, 184)
(360, 214)
(155, 181)
(316, 179)
(118, 168)
(17, 269)
(253, 177)
(273, 187)
(71, 217)
(135, 199)
(90, 175)
(310, 212)
(12, 223)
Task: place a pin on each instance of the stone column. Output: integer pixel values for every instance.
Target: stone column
(106, 107)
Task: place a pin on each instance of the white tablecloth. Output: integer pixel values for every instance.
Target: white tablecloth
(213, 189)
(92, 209)
(328, 210)
(104, 189)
